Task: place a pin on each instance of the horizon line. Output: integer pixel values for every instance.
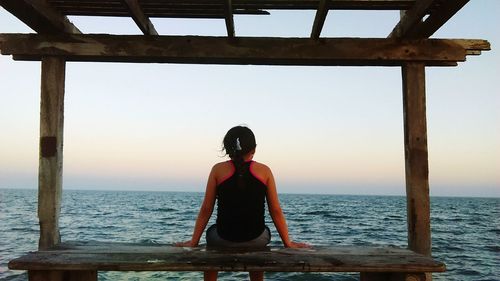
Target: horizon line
(284, 193)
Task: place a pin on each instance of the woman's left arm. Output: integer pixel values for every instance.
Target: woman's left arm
(277, 214)
(206, 210)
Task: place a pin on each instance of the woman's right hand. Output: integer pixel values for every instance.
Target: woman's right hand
(292, 244)
(188, 243)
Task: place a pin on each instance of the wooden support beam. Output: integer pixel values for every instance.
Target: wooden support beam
(411, 18)
(416, 158)
(228, 15)
(142, 21)
(319, 19)
(240, 50)
(447, 9)
(51, 145)
(39, 16)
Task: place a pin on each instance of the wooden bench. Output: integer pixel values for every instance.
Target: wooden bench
(81, 261)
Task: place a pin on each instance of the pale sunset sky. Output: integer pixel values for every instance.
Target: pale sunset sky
(332, 130)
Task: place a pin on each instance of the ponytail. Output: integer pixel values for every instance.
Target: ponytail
(237, 143)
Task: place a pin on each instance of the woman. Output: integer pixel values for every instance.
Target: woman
(241, 186)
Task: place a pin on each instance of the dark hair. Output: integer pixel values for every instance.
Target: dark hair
(238, 142)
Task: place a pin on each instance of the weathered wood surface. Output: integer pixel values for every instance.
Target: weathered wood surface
(142, 21)
(411, 18)
(140, 257)
(39, 16)
(228, 15)
(168, 8)
(416, 158)
(241, 50)
(413, 25)
(51, 146)
(319, 19)
(393, 276)
(57, 275)
(446, 10)
(199, 9)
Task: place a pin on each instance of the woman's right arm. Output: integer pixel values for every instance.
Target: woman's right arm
(277, 214)
(206, 210)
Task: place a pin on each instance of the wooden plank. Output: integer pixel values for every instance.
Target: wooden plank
(411, 19)
(319, 19)
(39, 16)
(57, 275)
(228, 16)
(416, 158)
(240, 50)
(255, 4)
(51, 144)
(393, 276)
(142, 21)
(447, 9)
(136, 257)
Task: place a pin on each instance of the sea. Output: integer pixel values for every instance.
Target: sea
(465, 231)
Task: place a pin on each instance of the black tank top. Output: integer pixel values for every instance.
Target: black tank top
(240, 209)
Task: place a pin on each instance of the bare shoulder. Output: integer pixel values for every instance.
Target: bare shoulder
(257, 166)
(262, 172)
(222, 170)
(221, 165)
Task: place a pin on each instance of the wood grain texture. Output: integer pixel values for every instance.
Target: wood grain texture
(51, 144)
(319, 19)
(139, 257)
(416, 158)
(411, 19)
(240, 50)
(39, 16)
(393, 276)
(158, 8)
(445, 11)
(228, 16)
(57, 275)
(142, 21)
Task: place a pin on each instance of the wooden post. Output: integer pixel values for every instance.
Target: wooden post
(417, 171)
(416, 158)
(51, 145)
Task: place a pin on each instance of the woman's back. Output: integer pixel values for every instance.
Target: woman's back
(240, 203)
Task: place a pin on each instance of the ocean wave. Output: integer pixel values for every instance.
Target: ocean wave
(466, 238)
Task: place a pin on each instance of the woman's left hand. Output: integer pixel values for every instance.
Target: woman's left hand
(188, 243)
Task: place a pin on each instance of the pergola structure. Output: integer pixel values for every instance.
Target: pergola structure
(407, 45)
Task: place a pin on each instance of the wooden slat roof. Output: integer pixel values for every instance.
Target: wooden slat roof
(50, 16)
(419, 20)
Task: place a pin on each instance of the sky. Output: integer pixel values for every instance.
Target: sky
(335, 130)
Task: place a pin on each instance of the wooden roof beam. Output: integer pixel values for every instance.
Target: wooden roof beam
(228, 15)
(142, 21)
(447, 9)
(411, 19)
(319, 19)
(240, 50)
(39, 16)
(413, 25)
